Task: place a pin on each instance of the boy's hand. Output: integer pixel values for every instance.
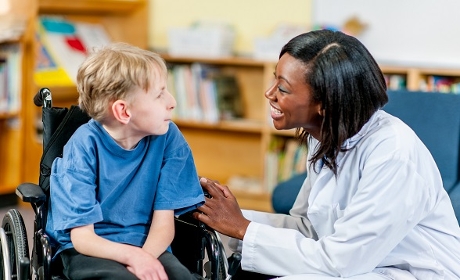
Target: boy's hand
(145, 266)
(137, 260)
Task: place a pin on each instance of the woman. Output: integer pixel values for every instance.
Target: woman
(373, 205)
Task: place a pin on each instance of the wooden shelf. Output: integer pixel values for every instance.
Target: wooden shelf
(416, 76)
(100, 7)
(8, 115)
(237, 147)
(246, 126)
(22, 13)
(224, 61)
(124, 20)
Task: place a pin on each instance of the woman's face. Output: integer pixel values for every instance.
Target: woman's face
(291, 100)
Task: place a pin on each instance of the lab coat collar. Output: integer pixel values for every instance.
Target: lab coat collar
(354, 140)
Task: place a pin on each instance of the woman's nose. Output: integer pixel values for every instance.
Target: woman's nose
(269, 93)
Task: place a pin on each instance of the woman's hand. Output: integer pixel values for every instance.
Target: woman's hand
(221, 211)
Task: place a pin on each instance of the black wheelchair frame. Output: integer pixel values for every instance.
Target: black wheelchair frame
(192, 244)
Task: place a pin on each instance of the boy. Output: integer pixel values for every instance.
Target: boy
(123, 175)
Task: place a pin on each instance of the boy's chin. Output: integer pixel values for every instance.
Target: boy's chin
(161, 131)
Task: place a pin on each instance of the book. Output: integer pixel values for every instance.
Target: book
(62, 46)
(10, 77)
(3, 86)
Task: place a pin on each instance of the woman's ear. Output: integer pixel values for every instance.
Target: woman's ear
(120, 111)
(321, 110)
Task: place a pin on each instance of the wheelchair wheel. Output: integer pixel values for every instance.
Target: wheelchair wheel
(216, 267)
(221, 270)
(16, 236)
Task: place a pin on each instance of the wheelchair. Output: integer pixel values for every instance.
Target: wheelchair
(193, 244)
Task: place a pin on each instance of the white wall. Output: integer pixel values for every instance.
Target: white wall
(407, 32)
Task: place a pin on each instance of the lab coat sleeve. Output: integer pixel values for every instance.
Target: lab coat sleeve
(296, 220)
(391, 198)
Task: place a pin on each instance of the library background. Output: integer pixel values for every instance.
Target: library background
(220, 62)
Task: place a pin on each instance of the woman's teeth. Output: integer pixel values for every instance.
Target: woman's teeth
(276, 111)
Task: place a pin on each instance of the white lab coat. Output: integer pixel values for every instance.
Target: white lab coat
(385, 215)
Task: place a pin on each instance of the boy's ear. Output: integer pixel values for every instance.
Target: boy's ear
(120, 111)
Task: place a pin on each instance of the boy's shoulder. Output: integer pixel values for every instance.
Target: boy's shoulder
(87, 129)
(87, 133)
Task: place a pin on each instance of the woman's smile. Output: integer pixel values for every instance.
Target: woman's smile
(275, 113)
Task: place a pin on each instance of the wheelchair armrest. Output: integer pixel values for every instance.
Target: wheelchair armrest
(30, 192)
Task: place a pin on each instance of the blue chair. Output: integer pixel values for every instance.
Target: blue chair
(435, 118)
(285, 193)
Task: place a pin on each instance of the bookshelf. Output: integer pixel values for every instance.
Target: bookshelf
(233, 151)
(123, 20)
(424, 78)
(15, 46)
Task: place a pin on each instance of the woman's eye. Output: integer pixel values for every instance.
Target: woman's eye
(281, 89)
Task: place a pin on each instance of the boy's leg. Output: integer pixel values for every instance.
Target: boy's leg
(175, 269)
(78, 266)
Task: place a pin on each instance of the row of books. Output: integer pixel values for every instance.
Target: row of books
(432, 83)
(285, 158)
(203, 93)
(442, 84)
(10, 77)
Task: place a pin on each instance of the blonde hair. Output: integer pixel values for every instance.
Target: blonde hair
(110, 73)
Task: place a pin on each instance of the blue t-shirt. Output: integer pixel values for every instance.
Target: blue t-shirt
(98, 182)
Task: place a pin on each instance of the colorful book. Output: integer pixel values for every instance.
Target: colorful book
(62, 46)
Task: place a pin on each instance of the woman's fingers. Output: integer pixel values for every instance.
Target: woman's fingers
(213, 186)
(208, 185)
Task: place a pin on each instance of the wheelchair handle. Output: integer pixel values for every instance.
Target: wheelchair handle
(43, 98)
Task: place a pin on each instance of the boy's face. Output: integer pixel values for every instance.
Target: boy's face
(151, 111)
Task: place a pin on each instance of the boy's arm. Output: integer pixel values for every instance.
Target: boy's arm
(137, 261)
(161, 232)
